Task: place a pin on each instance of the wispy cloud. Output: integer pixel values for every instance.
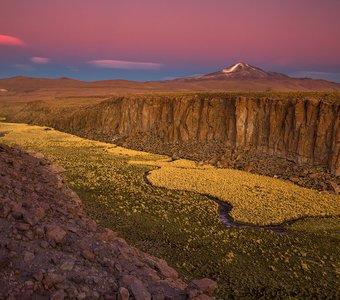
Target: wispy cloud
(10, 40)
(122, 64)
(24, 67)
(40, 60)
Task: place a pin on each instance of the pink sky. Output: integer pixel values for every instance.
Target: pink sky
(177, 34)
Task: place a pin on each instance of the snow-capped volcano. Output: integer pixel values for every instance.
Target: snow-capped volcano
(242, 71)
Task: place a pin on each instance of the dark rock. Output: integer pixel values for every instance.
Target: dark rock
(23, 226)
(107, 235)
(55, 233)
(88, 254)
(162, 266)
(4, 258)
(123, 294)
(204, 285)
(52, 279)
(58, 295)
(28, 256)
(335, 187)
(67, 265)
(294, 179)
(136, 287)
(44, 244)
(38, 276)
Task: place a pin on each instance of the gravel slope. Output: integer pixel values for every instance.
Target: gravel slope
(49, 249)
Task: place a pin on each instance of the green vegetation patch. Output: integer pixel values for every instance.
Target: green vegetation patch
(183, 227)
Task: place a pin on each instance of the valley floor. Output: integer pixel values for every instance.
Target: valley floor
(176, 223)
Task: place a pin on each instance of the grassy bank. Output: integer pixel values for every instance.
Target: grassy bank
(183, 226)
(255, 199)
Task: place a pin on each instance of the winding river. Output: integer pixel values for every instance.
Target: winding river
(226, 219)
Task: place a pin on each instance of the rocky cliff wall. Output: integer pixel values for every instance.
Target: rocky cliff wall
(305, 130)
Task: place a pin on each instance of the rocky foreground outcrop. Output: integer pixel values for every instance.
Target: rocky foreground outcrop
(49, 249)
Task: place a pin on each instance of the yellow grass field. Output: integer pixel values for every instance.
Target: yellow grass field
(255, 199)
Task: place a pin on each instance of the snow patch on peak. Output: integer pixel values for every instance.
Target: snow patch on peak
(231, 69)
(236, 66)
(241, 66)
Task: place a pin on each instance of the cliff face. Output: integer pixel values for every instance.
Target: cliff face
(306, 131)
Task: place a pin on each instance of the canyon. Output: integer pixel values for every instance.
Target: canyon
(304, 129)
(293, 136)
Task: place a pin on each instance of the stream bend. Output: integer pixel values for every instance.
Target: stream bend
(227, 220)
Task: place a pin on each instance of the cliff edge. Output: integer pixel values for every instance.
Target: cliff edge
(249, 131)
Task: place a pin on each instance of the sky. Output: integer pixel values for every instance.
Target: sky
(164, 39)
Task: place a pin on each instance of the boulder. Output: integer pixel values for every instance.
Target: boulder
(205, 285)
(55, 233)
(136, 287)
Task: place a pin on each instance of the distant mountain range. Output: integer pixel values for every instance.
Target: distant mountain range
(238, 77)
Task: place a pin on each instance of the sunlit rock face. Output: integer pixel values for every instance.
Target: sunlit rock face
(303, 130)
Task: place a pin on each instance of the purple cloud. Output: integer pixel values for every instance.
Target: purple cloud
(40, 60)
(122, 64)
